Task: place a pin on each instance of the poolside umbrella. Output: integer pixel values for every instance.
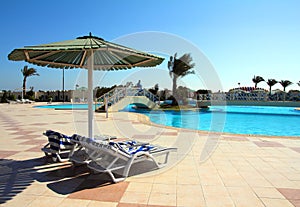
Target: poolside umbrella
(89, 52)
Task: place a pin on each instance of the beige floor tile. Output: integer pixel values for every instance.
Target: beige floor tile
(26, 155)
(135, 197)
(267, 192)
(67, 202)
(187, 170)
(188, 190)
(51, 193)
(35, 189)
(191, 201)
(215, 191)
(244, 196)
(101, 204)
(293, 176)
(162, 199)
(258, 182)
(297, 183)
(270, 202)
(46, 201)
(217, 196)
(139, 187)
(234, 181)
(164, 188)
(141, 179)
(20, 200)
(210, 177)
(165, 180)
(219, 201)
(188, 180)
(279, 181)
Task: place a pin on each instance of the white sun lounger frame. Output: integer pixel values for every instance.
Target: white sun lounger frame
(98, 152)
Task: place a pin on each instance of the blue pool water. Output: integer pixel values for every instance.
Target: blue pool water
(254, 120)
(64, 106)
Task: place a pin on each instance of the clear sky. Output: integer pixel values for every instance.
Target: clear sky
(239, 38)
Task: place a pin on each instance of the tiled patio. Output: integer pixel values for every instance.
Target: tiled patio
(207, 170)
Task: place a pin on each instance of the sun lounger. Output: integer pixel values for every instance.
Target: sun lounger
(27, 101)
(11, 101)
(68, 148)
(79, 154)
(59, 145)
(109, 156)
(19, 101)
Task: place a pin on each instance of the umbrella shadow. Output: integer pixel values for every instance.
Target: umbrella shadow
(16, 175)
(62, 178)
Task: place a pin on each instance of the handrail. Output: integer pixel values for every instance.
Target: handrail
(254, 96)
(118, 93)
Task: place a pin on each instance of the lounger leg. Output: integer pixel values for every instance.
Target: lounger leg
(115, 180)
(54, 157)
(73, 149)
(155, 162)
(46, 149)
(166, 157)
(128, 166)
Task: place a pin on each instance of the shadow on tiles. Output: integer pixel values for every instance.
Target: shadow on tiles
(16, 176)
(62, 178)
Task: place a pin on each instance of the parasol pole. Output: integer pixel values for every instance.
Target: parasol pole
(63, 85)
(90, 95)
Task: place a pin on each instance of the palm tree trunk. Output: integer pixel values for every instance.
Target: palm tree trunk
(24, 87)
(174, 84)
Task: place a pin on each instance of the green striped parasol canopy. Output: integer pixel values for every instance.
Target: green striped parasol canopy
(88, 52)
(75, 53)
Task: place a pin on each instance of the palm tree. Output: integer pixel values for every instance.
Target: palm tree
(257, 79)
(271, 82)
(298, 83)
(179, 68)
(285, 83)
(27, 72)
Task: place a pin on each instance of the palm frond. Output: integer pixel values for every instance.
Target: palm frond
(272, 82)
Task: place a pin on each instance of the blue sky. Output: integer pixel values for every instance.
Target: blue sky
(239, 38)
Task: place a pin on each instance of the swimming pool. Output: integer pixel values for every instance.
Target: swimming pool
(252, 120)
(65, 106)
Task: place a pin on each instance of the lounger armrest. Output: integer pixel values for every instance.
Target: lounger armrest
(142, 144)
(164, 149)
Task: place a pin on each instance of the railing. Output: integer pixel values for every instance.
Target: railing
(114, 96)
(249, 97)
(238, 96)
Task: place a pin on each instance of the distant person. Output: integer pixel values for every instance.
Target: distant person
(50, 101)
(139, 85)
(140, 88)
